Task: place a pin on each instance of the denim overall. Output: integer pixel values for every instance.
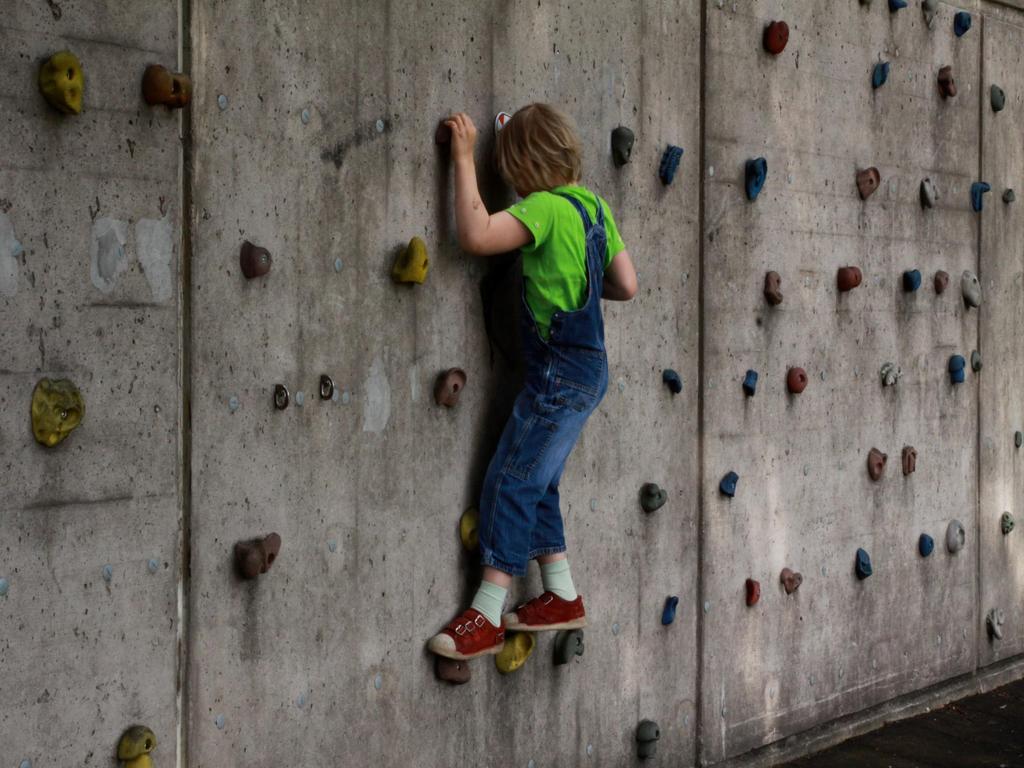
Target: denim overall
(566, 377)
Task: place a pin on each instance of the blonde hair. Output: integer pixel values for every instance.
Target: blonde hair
(538, 149)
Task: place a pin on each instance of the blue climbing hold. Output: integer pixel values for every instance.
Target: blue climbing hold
(956, 369)
(961, 23)
(668, 615)
(863, 566)
(672, 380)
(897, 5)
(670, 164)
(728, 484)
(880, 74)
(750, 383)
(4, 587)
(925, 545)
(911, 280)
(978, 189)
(756, 174)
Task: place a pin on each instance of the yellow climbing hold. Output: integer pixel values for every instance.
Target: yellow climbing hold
(57, 408)
(62, 82)
(518, 647)
(134, 747)
(467, 529)
(412, 263)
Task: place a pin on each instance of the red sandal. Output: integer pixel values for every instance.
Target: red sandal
(467, 636)
(548, 611)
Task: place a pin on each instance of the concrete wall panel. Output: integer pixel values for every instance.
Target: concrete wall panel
(805, 500)
(82, 658)
(325, 655)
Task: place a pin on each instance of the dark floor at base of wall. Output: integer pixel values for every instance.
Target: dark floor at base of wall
(983, 731)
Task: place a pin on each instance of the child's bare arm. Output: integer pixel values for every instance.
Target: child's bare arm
(480, 233)
(620, 278)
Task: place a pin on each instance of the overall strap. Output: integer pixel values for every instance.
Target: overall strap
(587, 224)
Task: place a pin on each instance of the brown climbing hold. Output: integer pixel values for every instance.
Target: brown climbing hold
(868, 181)
(161, 86)
(947, 85)
(255, 261)
(796, 380)
(848, 278)
(776, 35)
(909, 459)
(791, 580)
(256, 556)
(876, 463)
(773, 288)
(454, 671)
(941, 281)
(753, 592)
(448, 386)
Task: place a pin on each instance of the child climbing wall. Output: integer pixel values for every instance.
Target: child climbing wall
(573, 257)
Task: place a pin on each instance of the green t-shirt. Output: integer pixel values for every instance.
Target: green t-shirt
(555, 263)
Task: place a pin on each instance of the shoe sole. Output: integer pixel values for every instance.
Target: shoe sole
(579, 623)
(456, 656)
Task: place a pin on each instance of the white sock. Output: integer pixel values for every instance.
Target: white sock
(489, 600)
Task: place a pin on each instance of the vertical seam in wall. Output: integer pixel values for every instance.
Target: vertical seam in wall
(184, 649)
(699, 675)
(978, 638)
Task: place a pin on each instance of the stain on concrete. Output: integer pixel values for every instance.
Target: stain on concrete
(109, 259)
(377, 402)
(366, 133)
(10, 250)
(154, 239)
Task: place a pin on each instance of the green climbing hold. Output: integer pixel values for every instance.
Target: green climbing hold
(652, 497)
(998, 97)
(1006, 523)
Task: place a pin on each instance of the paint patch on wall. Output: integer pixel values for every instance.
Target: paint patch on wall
(377, 402)
(154, 239)
(10, 250)
(106, 250)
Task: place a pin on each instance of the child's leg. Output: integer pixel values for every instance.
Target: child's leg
(490, 596)
(547, 544)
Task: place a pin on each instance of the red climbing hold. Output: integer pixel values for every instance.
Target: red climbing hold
(454, 671)
(255, 261)
(449, 386)
(776, 35)
(868, 181)
(753, 592)
(791, 580)
(909, 460)
(848, 278)
(947, 85)
(773, 288)
(876, 463)
(941, 281)
(796, 380)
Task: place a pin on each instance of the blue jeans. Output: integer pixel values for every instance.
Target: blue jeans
(566, 377)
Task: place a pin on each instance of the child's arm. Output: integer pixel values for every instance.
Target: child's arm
(480, 233)
(620, 278)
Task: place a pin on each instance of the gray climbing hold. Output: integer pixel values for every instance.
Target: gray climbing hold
(930, 8)
(998, 98)
(337, 265)
(304, 117)
(300, 398)
(5, 587)
(890, 373)
(622, 145)
(994, 622)
(647, 735)
(222, 102)
(956, 536)
(233, 404)
(25, 764)
(975, 361)
(153, 565)
(1009, 196)
(332, 545)
(971, 287)
(219, 722)
(378, 681)
(379, 125)
(108, 573)
(929, 193)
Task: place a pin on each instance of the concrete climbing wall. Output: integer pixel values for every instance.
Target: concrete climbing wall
(313, 127)
(805, 499)
(1002, 324)
(89, 233)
